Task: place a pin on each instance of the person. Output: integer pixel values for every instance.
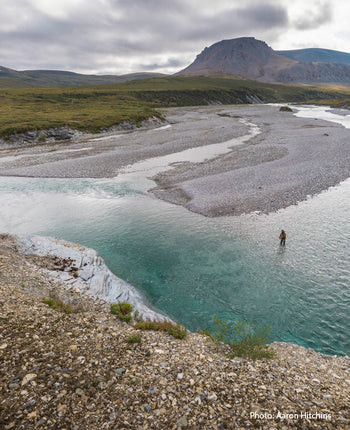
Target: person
(283, 237)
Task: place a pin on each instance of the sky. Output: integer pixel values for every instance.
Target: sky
(127, 36)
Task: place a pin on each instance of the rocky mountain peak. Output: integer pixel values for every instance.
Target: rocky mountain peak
(247, 57)
(244, 56)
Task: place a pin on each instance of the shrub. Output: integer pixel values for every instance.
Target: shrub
(136, 338)
(122, 310)
(243, 339)
(137, 316)
(285, 109)
(57, 304)
(175, 330)
(42, 137)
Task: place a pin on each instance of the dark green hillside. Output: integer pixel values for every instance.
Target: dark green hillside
(10, 78)
(93, 108)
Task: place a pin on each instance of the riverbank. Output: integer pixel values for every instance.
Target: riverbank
(290, 159)
(79, 371)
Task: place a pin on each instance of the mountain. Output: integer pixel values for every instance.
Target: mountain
(10, 78)
(318, 55)
(249, 58)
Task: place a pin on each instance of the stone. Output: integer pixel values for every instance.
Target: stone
(182, 422)
(29, 377)
(14, 386)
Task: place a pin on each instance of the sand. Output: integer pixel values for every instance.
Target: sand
(290, 159)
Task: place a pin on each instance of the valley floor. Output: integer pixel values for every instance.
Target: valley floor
(290, 159)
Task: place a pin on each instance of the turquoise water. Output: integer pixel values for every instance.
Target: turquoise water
(190, 267)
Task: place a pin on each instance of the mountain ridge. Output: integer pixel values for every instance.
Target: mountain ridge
(319, 55)
(249, 58)
(10, 78)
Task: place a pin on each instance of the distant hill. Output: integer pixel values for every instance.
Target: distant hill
(10, 78)
(249, 58)
(317, 55)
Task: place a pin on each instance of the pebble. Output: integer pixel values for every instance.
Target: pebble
(182, 422)
(213, 397)
(29, 377)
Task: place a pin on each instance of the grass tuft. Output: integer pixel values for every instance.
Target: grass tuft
(136, 338)
(243, 339)
(54, 303)
(122, 310)
(176, 330)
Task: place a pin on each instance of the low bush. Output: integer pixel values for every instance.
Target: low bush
(285, 109)
(136, 338)
(175, 330)
(243, 339)
(122, 310)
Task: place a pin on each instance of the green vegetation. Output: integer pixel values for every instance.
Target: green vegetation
(122, 310)
(175, 330)
(285, 109)
(96, 108)
(57, 304)
(243, 339)
(87, 109)
(342, 103)
(136, 338)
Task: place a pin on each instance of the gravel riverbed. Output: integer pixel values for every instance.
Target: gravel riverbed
(290, 159)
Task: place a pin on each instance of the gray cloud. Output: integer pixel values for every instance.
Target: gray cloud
(263, 15)
(320, 14)
(122, 36)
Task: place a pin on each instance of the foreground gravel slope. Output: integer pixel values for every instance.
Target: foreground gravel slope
(77, 371)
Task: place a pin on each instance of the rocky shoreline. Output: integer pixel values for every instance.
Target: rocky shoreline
(79, 371)
(81, 269)
(65, 134)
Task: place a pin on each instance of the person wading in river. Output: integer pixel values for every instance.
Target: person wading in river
(283, 237)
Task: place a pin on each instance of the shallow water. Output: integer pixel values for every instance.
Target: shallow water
(191, 267)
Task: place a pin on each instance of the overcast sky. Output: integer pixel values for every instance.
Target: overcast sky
(123, 36)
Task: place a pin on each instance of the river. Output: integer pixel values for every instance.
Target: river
(191, 267)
